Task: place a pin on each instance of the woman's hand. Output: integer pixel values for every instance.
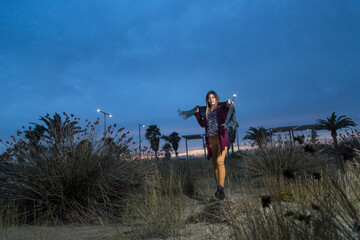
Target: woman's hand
(228, 103)
(197, 108)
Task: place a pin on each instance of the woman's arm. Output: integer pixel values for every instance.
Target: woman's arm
(202, 122)
(228, 104)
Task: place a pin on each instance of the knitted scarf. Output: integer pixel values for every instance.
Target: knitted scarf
(230, 118)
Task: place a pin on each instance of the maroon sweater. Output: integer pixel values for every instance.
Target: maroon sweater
(222, 112)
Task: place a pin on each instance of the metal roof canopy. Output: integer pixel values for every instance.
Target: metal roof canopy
(193, 136)
(282, 129)
(291, 129)
(295, 128)
(307, 127)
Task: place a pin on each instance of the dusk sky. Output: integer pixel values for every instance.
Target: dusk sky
(289, 62)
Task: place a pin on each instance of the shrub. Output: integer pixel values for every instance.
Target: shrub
(326, 208)
(75, 178)
(154, 214)
(349, 146)
(281, 162)
(187, 173)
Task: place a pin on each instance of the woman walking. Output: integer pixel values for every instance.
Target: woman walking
(216, 137)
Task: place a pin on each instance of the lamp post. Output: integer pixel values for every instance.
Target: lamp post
(140, 125)
(237, 131)
(104, 119)
(234, 96)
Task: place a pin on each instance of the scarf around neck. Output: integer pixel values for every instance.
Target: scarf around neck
(230, 117)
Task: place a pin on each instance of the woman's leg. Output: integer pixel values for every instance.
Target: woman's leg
(215, 151)
(220, 162)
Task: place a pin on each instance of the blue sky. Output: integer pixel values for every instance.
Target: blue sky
(289, 62)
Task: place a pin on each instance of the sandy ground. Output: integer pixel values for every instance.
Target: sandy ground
(191, 231)
(196, 226)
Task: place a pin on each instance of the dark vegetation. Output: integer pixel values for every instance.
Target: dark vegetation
(61, 173)
(57, 172)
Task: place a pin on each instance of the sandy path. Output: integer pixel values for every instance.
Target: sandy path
(191, 230)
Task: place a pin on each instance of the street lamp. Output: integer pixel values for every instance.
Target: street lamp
(140, 125)
(237, 130)
(104, 119)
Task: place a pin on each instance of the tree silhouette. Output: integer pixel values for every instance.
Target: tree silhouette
(167, 148)
(35, 135)
(314, 136)
(334, 123)
(153, 136)
(55, 129)
(259, 135)
(174, 140)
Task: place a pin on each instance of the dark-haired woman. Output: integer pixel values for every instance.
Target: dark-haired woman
(216, 137)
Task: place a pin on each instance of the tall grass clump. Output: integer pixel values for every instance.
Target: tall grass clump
(312, 203)
(337, 206)
(160, 210)
(349, 146)
(326, 208)
(187, 173)
(279, 162)
(61, 173)
(154, 213)
(249, 220)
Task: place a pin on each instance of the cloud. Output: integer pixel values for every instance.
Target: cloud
(143, 60)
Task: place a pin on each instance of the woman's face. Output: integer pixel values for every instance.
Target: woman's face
(211, 100)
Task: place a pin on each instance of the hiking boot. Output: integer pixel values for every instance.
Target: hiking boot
(221, 193)
(217, 193)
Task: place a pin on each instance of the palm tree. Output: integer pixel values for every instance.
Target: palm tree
(258, 135)
(35, 135)
(167, 148)
(55, 128)
(153, 136)
(174, 140)
(334, 123)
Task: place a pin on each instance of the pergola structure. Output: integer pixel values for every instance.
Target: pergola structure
(194, 136)
(291, 129)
